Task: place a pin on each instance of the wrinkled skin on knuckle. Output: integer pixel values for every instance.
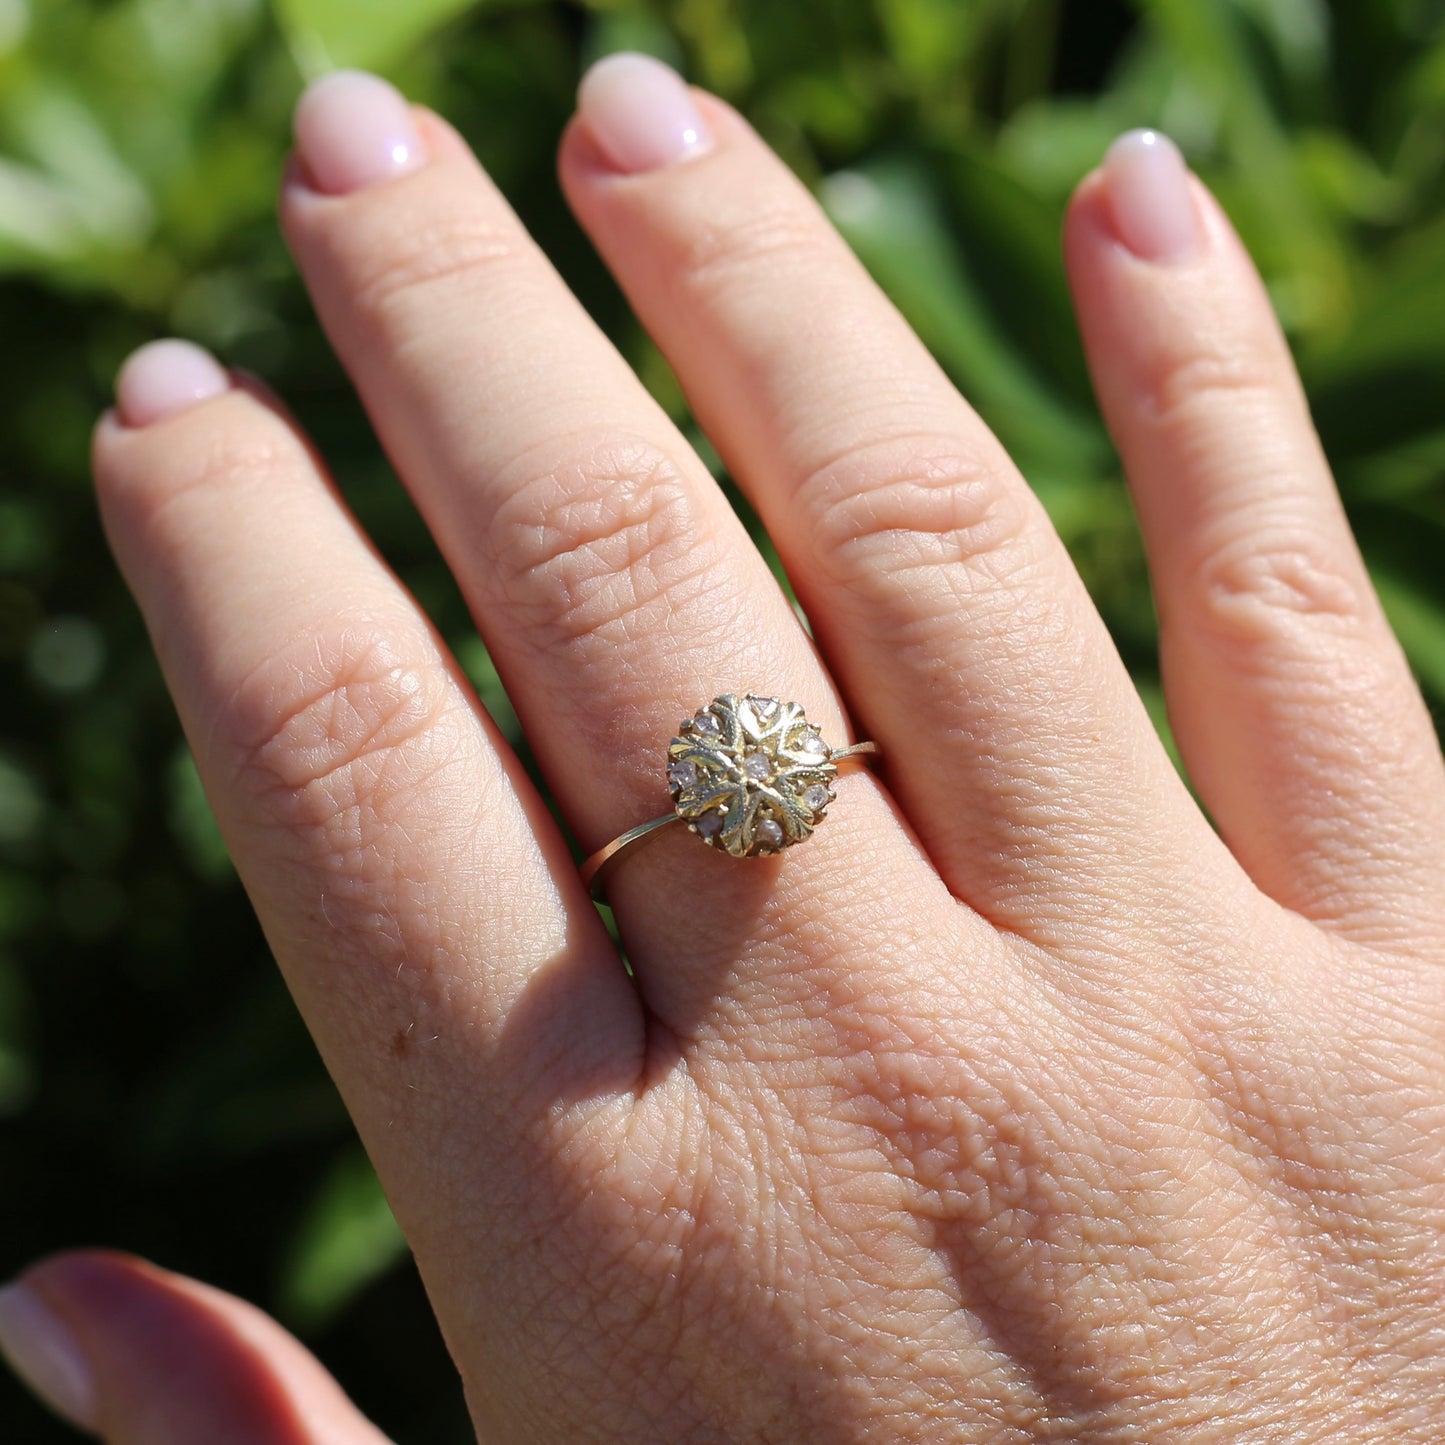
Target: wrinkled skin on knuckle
(1278, 590)
(916, 504)
(400, 264)
(721, 258)
(152, 496)
(603, 545)
(1183, 390)
(214, 462)
(343, 744)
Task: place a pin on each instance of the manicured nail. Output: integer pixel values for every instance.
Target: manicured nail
(164, 377)
(1149, 194)
(353, 130)
(641, 113)
(41, 1351)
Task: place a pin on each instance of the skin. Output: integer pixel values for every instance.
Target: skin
(1020, 1104)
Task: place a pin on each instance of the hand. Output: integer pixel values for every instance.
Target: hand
(1016, 1105)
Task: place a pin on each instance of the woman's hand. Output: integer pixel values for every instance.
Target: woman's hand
(1016, 1105)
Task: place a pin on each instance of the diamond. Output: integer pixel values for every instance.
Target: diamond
(815, 745)
(707, 724)
(759, 767)
(765, 707)
(709, 824)
(816, 797)
(769, 833)
(682, 773)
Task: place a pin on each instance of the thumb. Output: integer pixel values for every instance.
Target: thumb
(139, 1356)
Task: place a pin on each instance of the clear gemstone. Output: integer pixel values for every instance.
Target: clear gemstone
(707, 724)
(815, 745)
(682, 773)
(769, 833)
(816, 797)
(765, 707)
(710, 824)
(758, 767)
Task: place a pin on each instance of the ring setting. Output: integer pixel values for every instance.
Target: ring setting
(749, 774)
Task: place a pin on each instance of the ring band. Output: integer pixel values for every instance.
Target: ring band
(749, 775)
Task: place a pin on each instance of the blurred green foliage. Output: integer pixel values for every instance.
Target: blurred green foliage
(156, 1089)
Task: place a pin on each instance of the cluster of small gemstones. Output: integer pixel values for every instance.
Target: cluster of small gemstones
(750, 775)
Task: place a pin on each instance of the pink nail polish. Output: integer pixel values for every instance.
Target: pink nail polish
(641, 113)
(353, 130)
(42, 1352)
(165, 377)
(1148, 187)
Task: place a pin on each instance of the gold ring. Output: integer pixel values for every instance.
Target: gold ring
(749, 775)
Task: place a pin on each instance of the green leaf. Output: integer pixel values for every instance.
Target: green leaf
(72, 196)
(193, 824)
(1279, 216)
(890, 215)
(17, 1065)
(930, 39)
(1050, 145)
(1151, 694)
(347, 1238)
(365, 34)
(1419, 623)
(22, 804)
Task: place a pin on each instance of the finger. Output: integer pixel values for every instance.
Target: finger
(139, 1356)
(1292, 703)
(420, 903)
(942, 599)
(615, 587)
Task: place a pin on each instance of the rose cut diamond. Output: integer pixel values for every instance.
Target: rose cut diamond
(759, 767)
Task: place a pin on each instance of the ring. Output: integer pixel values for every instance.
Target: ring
(749, 775)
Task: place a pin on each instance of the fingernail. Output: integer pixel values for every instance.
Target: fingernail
(165, 377)
(641, 113)
(353, 130)
(42, 1352)
(1149, 194)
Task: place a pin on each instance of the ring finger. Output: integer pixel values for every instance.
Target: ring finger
(611, 580)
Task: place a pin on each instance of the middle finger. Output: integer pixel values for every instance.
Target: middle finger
(614, 585)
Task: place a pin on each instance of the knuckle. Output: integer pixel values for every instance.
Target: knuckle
(1264, 587)
(211, 461)
(914, 502)
(602, 542)
(336, 735)
(719, 253)
(403, 261)
(1198, 384)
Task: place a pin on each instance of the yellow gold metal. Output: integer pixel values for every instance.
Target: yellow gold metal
(749, 775)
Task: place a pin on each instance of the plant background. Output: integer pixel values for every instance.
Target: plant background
(157, 1092)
